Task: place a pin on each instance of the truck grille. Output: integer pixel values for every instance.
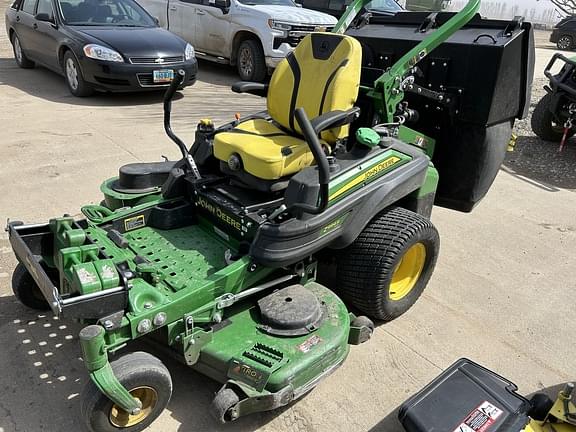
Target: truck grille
(156, 60)
(297, 33)
(310, 28)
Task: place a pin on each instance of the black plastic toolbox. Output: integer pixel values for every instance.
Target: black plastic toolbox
(466, 397)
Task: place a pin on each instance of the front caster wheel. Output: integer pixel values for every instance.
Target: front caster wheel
(222, 407)
(146, 378)
(26, 290)
(388, 266)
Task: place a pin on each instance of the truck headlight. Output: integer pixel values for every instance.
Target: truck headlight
(99, 52)
(279, 25)
(189, 52)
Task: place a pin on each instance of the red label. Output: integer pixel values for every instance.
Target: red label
(481, 419)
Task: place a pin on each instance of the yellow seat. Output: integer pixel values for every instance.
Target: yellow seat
(321, 75)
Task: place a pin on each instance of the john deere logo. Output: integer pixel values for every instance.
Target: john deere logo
(159, 60)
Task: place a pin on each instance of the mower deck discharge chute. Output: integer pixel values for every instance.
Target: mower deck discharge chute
(215, 257)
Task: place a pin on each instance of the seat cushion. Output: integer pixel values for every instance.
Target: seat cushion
(266, 151)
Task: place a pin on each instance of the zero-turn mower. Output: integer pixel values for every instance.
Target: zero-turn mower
(467, 397)
(214, 257)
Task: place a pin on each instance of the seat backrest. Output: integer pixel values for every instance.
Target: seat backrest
(322, 74)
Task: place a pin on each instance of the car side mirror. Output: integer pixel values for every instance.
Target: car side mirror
(44, 17)
(156, 20)
(298, 5)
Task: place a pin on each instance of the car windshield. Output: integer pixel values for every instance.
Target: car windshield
(118, 13)
(384, 5)
(268, 2)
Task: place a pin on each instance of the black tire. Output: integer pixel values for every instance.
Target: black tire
(250, 61)
(138, 372)
(363, 321)
(565, 42)
(365, 269)
(74, 78)
(27, 290)
(542, 121)
(220, 408)
(541, 405)
(21, 59)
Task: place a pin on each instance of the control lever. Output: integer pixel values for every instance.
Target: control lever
(168, 96)
(321, 162)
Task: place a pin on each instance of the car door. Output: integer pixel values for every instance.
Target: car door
(182, 19)
(212, 28)
(23, 26)
(45, 36)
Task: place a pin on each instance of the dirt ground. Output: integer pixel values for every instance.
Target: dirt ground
(502, 293)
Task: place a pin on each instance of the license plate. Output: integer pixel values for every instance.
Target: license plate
(165, 75)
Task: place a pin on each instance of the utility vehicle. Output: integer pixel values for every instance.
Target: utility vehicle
(554, 118)
(215, 257)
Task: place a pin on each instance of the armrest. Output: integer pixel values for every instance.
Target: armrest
(257, 89)
(333, 119)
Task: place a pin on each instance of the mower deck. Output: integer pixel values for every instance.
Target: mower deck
(243, 351)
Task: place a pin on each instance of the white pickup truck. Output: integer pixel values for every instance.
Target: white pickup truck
(254, 35)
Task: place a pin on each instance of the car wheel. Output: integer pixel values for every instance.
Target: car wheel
(250, 61)
(78, 87)
(21, 59)
(565, 42)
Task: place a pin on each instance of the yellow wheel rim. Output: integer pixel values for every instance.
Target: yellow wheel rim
(407, 272)
(147, 397)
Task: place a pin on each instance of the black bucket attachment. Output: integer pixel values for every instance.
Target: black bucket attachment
(484, 73)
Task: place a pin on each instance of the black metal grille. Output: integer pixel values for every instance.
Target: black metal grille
(156, 60)
(112, 81)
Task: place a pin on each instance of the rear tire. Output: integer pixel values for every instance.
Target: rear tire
(250, 61)
(146, 378)
(542, 121)
(387, 267)
(27, 290)
(565, 42)
(21, 59)
(74, 78)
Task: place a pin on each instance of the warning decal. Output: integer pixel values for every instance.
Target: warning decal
(481, 419)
